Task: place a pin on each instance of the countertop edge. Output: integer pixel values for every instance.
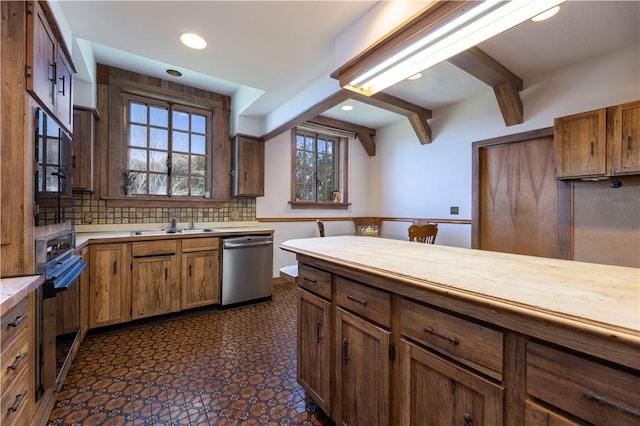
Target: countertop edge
(13, 290)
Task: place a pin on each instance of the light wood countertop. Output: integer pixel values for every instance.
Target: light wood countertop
(13, 290)
(604, 299)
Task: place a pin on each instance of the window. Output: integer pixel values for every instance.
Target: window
(318, 173)
(167, 148)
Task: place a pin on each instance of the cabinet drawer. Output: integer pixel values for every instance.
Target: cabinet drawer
(15, 358)
(366, 301)
(315, 280)
(589, 390)
(16, 400)
(468, 342)
(200, 244)
(153, 248)
(14, 321)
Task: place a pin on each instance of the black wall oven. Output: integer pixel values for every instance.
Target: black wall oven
(52, 160)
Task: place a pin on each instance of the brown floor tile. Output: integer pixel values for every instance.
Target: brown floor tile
(210, 367)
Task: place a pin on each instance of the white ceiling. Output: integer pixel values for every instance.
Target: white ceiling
(272, 50)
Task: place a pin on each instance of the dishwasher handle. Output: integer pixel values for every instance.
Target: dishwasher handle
(230, 245)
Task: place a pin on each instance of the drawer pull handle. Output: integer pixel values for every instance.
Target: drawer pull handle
(363, 302)
(115, 267)
(18, 320)
(18, 403)
(452, 340)
(319, 336)
(311, 280)
(592, 148)
(628, 143)
(467, 419)
(345, 350)
(18, 361)
(601, 400)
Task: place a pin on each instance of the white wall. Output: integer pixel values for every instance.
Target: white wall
(406, 179)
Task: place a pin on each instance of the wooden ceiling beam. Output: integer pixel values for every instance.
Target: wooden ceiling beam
(506, 85)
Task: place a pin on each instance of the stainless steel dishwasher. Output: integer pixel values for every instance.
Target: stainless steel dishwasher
(247, 269)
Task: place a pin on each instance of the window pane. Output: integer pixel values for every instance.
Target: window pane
(51, 179)
(137, 113)
(159, 138)
(198, 165)
(137, 135)
(137, 159)
(197, 186)
(158, 161)
(157, 184)
(180, 120)
(52, 151)
(299, 142)
(198, 123)
(330, 147)
(180, 164)
(159, 116)
(198, 144)
(308, 144)
(321, 145)
(180, 185)
(139, 186)
(181, 141)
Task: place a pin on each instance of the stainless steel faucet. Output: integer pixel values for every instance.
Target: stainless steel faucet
(174, 226)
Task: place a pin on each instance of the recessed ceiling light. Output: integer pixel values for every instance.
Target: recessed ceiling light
(347, 107)
(415, 76)
(174, 73)
(546, 14)
(193, 41)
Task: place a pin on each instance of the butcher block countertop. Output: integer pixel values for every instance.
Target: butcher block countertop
(600, 299)
(13, 290)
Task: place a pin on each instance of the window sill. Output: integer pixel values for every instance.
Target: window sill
(318, 205)
(135, 201)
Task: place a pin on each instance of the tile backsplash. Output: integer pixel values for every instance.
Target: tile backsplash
(89, 211)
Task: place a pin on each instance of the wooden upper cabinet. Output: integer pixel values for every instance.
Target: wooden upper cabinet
(581, 144)
(49, 70)
(82, 146)
(624, 138)
(248, 166)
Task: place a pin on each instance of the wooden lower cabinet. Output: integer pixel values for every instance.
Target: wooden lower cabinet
(200, 272)
(110, 290)
(362, 367)
(437, 392)
(151, 281)
(314, 348)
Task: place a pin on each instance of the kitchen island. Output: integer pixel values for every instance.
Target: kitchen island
(459, 336)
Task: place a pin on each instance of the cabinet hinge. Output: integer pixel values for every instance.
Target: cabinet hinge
(29, 8)
(392, 352)
(28, 72)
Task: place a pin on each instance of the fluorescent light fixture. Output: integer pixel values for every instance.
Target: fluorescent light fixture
(546, 14)
(193, 41)
(415, 76)
(347, 107)
(480, 23)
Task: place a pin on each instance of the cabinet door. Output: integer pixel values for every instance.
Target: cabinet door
(41, 55)
(248, 166)
(200, 278)
(151, 283)
(63, 89)
(110, 298)
(362, 365)
(82, 157)
(581, 144)
(314, 348)
(624, 123)
(436, 392)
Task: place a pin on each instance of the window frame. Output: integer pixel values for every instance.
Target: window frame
(341, 171)
(111, 143)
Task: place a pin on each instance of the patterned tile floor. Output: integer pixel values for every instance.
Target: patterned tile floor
(216, 367)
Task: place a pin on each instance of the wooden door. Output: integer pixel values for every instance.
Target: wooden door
(151, 282)
(249, 166)
(581, 144)
(519, 206)
(362, 366)
(624, 134)
(82, 142)
(314, 348)
(436, 392)
(41, 55)
(200, 279)
(110, 297)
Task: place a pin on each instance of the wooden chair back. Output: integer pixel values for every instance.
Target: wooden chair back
(423, 233)
(320, 227)
(369, 226)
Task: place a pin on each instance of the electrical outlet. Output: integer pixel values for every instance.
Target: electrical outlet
(454, 210)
